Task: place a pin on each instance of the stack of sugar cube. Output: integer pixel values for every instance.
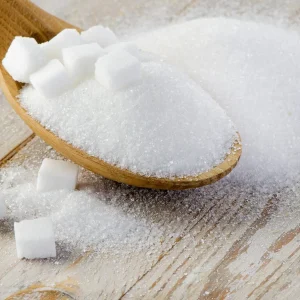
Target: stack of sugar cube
(35, 238)
(56, 66)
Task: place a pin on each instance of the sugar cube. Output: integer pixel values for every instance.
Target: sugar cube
(23, 57)
(99, 34)
(80, 60)
(52, 80)
(35, 238)
(118, 69)
(2, 209)
(132, 49)
(66, 38)
(56, 175)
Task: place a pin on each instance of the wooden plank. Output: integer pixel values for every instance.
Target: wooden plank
(244, 261)
(13, 132)
(7, 250)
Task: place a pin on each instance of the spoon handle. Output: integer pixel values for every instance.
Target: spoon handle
(22, 17)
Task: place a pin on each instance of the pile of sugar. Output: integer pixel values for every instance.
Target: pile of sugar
(169, 213)
(252, 70)
(165, 125)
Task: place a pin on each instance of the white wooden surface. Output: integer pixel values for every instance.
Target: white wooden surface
(13, 132)
(216, 252)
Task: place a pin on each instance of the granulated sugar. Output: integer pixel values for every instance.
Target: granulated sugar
(252, 71)
(81, 219)
(164, 126)
(247, 83)
(126, 19)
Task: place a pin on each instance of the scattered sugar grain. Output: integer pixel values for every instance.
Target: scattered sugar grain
(118, 219)
(165, 125)
(81, 219)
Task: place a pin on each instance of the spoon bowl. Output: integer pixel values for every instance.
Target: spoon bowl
(23, 18)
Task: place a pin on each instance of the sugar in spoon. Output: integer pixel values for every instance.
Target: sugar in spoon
(23, 18)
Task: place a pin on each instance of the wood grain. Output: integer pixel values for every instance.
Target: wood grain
(242, 263)
(13, 131)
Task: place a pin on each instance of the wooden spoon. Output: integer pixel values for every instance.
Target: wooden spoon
(23, 18)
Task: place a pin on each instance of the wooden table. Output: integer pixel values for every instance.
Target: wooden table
(214, 253)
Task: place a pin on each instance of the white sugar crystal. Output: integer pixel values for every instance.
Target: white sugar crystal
(165, 125)
(117, 70)
(122, 209)
(80, 60)
(91, 218)
(23, 57)
(35, 238)
(56, 175)
(99, 34)
(2, 208)
(66, 38)
(52, 80)
(251, 71)
(132, 49)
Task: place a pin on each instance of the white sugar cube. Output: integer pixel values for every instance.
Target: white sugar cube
(132, 49)
(35, 238)
(23, 57)
(80, 60)
(52, 80)
(2, 208)
(56, 175)
(99, 34)
(66, 38)
(117, 70)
